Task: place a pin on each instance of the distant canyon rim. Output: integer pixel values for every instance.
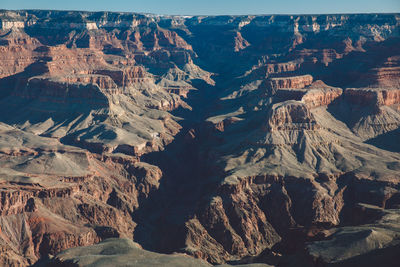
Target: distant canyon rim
(132, 139)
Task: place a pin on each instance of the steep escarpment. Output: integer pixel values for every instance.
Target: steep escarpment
(284, 160)
(228, 138)
(99, 100)
(55, 197)
(290, 82)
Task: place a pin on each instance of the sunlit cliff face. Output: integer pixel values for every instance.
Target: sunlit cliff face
(237, 139)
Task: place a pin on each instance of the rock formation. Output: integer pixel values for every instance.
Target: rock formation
(124, 252)
(377, 240)
(240, 139)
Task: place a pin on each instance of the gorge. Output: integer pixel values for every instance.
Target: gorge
(268, 140)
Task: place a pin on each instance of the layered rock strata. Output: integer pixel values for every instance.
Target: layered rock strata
(228, 138)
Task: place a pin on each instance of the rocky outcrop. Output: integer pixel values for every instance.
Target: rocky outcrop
(389, 97)
(291, 115)
(225, 232)
(295, 82)
(102, 81)
(364, 244)
(321, 97)
(372, 97)
(316, 95)
(221, 125)
(274, 202)
(124, 252)
(256, 156)
(17, 51)
(126, 77)
(386, 74)
(240, 42)
(48, 90)
(62, 197)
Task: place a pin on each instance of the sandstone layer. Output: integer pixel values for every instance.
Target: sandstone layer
(231, 139)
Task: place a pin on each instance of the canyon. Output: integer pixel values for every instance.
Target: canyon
(269, 140)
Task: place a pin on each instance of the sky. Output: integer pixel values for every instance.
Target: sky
(213, 7)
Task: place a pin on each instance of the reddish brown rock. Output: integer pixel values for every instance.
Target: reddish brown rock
(374, 97)
(386, 74)
(75, 199)
(321, 97)
(296, 82)
(267, 160)
(315, 95)
(16, 51)
(125, 77)
(240, 42)
(48, 90)
(291, 115)
(103, 81)
(325, 56)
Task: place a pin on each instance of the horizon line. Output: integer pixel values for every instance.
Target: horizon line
(209, 15)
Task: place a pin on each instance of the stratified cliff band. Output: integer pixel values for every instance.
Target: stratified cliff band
(232, 139)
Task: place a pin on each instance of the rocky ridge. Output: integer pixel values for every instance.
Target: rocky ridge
(228, 138)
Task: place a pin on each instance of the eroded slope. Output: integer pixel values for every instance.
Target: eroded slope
(228, 138)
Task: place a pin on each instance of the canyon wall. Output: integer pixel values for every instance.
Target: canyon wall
(242, 139)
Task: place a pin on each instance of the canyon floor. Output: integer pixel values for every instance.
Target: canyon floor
(145, 140)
